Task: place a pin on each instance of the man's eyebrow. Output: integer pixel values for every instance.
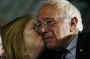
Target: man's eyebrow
(44, 19)
(49, 18)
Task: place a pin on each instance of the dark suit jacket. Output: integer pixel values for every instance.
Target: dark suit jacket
(83, 46)
(82, 49)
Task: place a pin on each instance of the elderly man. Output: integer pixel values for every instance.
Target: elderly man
(60, 25)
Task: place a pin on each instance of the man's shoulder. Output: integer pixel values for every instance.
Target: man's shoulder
(83, 48)
(84, 34)
(83, 39)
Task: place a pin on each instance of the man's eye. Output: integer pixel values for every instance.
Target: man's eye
(50, 22)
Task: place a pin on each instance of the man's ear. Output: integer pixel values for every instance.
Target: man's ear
(73, 23)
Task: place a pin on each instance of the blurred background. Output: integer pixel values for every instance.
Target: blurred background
(10, 9)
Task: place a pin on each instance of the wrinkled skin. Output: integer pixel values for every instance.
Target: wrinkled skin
(59, 35)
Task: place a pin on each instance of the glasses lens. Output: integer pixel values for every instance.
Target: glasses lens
(36, 26)
(50, 22)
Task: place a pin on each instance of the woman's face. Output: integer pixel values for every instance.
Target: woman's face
(32, 40)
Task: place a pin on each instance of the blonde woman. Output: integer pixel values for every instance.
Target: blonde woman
(19, 39)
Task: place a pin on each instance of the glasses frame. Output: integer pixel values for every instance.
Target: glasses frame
(55, 21)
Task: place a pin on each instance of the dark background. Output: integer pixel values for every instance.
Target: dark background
(10, 9)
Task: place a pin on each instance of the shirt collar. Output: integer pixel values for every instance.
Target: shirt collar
(72, 46)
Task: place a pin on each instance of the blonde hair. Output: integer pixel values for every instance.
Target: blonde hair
(12, 37)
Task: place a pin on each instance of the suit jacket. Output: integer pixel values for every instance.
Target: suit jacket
(82, 49)
(83, 46)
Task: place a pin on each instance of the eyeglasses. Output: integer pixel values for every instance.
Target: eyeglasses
(49, 22)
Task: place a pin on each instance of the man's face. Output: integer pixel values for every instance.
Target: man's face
(54, 31)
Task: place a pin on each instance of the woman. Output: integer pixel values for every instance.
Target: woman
(19, 39)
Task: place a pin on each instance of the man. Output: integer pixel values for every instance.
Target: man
(59, 24)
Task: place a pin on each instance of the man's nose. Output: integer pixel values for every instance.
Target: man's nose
(43, 29)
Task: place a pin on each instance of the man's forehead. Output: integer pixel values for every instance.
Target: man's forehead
(47, 6)
(48, 10)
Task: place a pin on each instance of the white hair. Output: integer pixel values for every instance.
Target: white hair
(68, 11)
